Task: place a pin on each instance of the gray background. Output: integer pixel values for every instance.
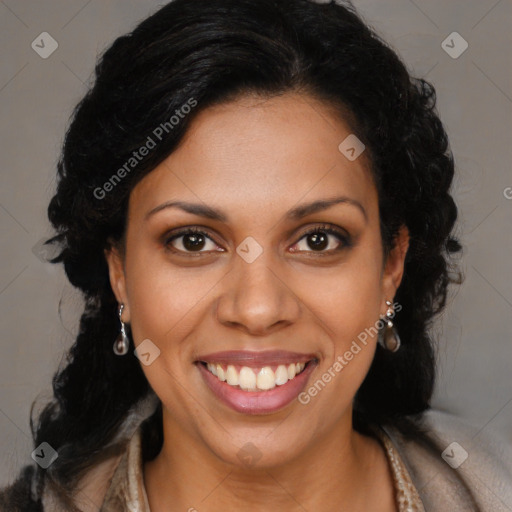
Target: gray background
(475, 104)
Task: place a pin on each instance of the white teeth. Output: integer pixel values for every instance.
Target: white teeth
(220, 373)
(281, 375)
(232, 376)
(247, 379)
(266, 379)
(250, 379)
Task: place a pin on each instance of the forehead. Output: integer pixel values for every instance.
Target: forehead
(254, 153)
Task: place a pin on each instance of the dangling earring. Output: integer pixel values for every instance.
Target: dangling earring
(388, 337)
(122, 343)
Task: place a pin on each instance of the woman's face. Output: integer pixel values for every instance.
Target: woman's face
(249, 287)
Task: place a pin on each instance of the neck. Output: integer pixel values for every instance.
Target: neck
(341, 469)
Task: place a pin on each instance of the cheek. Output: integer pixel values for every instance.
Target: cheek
(350, 311)
(167, 302)
(347, 299)
(152, 300)
(347, 303)
(166, 308)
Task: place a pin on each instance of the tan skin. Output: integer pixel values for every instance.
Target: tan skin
(255, 159)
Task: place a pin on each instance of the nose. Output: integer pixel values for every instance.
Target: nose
(257, 299)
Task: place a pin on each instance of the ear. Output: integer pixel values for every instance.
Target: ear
(394, 265)
(115, 262)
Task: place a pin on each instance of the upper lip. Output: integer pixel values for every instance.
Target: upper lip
(255, 358)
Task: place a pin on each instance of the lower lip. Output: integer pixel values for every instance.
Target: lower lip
(257, 402)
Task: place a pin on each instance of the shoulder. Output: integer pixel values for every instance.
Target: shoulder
(22, 495)
(478, 448)
(19, 495)
(103, 481)
(456, 465)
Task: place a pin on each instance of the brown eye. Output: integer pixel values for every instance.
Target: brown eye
(193, 242)
(190, 240)
(317, 241)
(323, 239)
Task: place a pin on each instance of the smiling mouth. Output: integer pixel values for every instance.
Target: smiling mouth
(251, 379)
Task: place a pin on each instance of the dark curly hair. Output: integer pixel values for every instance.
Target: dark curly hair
(213, 51)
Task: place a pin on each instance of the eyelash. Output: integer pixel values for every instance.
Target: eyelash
(343, 238)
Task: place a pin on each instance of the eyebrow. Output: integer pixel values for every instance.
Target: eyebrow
(296, 213)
